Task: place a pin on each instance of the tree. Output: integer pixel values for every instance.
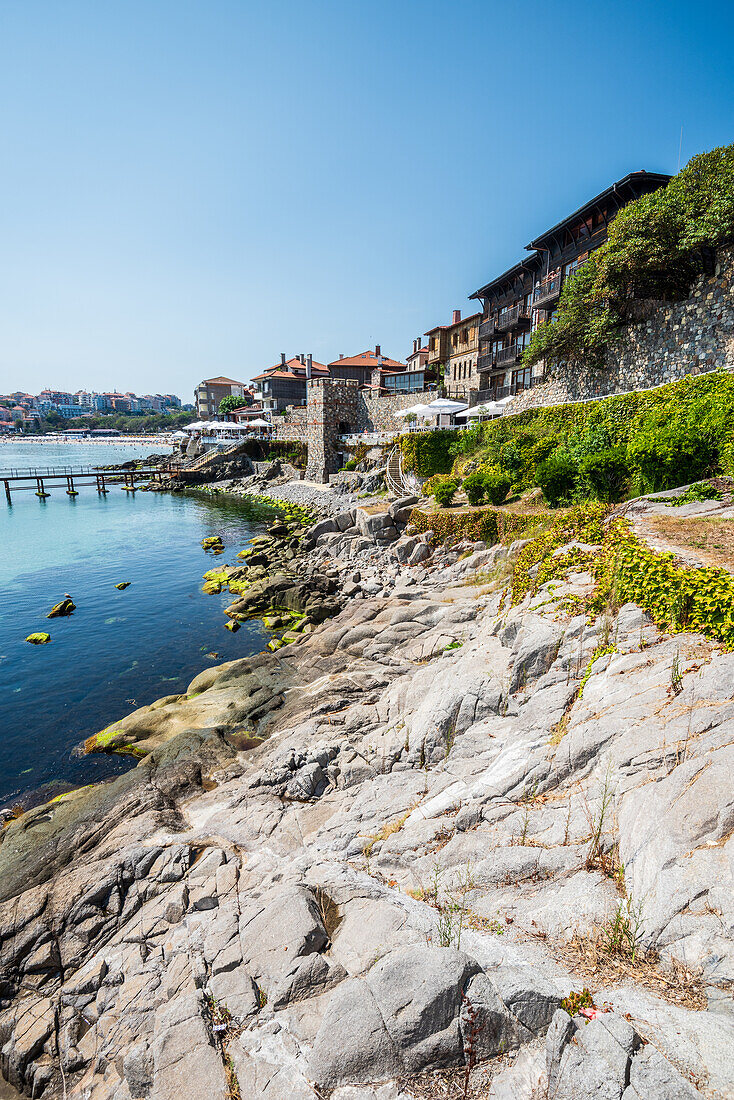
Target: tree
(230, 403)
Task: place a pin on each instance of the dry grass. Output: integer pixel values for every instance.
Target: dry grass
(329, 911)
(587, 957)
(386, 831)
(451, 1084)
(709, 538)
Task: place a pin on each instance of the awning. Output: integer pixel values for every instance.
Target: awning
(416, 410)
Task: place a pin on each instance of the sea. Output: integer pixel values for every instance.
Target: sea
(120, 649)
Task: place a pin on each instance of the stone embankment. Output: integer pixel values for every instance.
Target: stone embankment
(436, 833)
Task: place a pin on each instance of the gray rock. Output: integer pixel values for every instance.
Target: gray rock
(653, 1078)
(352, 1045)
(421, 552)
(418, 991)
(529, 995)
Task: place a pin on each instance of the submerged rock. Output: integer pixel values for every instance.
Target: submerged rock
(123, 584)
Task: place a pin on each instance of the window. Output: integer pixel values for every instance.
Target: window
(521, 379)
(570, 269)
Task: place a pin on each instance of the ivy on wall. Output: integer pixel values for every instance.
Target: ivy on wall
(637, 442)
(428, 453)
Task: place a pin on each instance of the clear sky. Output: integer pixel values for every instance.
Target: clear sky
(190, 187)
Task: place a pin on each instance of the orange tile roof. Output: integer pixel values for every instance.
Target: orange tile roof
(366, 359)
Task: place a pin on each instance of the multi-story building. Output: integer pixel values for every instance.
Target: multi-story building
(527, 294)
(285, 383)
(414, 377)
(210, 392)
(453, 351)
(367, 368)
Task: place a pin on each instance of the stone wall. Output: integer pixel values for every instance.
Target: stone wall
(670, 340)
(331, 407)
(377, 414)
(293, 425)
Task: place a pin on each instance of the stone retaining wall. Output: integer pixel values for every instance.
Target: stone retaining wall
(670, 340)
(377, 414)
(293, 425)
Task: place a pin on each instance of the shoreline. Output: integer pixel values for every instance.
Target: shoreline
(394, 787)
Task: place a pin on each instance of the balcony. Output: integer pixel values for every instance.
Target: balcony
(485, 363)
(547, 292)
(516, 317)
(487, 328)
(505, 357)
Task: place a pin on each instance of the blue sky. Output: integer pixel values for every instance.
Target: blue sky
(190, 188)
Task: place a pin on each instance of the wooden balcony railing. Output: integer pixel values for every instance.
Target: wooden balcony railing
(512, 318)
(547, 291)
(506, 356)
(487, 328)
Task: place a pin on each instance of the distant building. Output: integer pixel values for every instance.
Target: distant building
(285, 383)
(368, 368)
(210, 392)
(453, 351)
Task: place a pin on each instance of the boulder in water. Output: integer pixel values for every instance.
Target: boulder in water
(39, 638)
(65, 607)
(123, 585)
(214, 542)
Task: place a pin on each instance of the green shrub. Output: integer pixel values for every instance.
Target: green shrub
(672, 456)
(444, 492)
(474, 487)
(606, 472)
(511, 458)
(351, 464)
(497, 485)
(557, 477)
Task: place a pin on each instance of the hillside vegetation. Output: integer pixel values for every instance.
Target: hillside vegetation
(607, 450)
(652, 250)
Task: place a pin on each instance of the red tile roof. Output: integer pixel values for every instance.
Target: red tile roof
(220, 381)
(293, 364)
(366, 359)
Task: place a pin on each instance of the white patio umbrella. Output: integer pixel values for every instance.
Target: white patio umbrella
(196, 426)
(417, 410)
(259, 423)
(445, 405)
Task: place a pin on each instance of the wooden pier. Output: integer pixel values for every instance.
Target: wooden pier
(42, 479)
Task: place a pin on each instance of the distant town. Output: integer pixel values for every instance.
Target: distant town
(55, 409)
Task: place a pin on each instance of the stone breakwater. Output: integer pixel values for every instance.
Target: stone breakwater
(400, 843)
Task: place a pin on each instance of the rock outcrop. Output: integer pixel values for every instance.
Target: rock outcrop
(390, 847)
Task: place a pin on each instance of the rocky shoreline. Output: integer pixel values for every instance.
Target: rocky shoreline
(434, 845)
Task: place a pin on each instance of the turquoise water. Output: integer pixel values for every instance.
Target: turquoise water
(118, 650)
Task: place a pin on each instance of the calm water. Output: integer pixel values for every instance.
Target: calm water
(118, 650)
